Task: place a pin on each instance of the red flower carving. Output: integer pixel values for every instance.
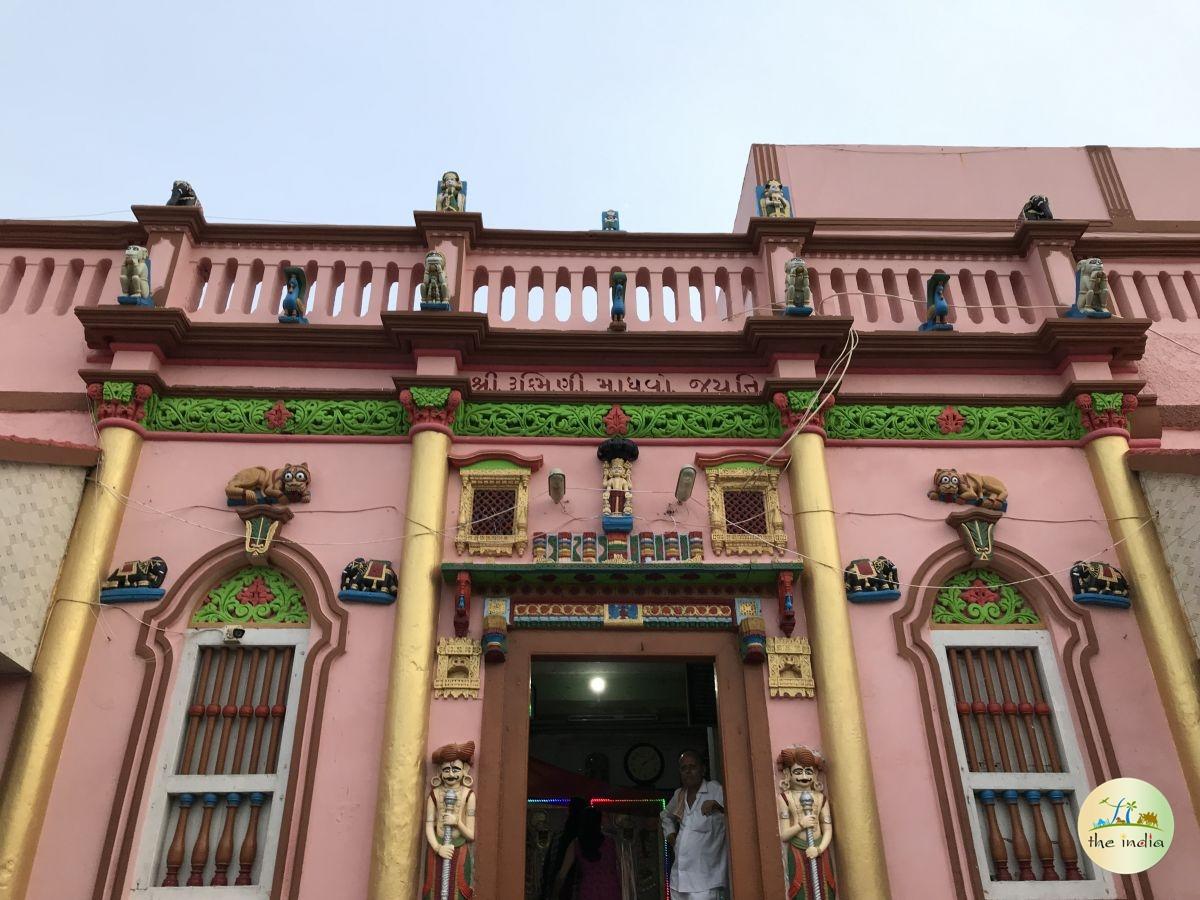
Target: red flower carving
(277, 416)
(255, 593)
(951, 421)
(616, 422)
(979, 593)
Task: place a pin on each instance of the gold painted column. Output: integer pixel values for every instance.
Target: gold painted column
(1155, 603)
(46, 707)
(861, 867)
(399, 840)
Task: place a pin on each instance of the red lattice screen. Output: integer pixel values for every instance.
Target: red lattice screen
(745, 512)
(493, 512)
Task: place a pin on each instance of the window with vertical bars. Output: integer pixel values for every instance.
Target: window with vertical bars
(493, 511)
(219, 800)
(745, 512)
(1019, 762)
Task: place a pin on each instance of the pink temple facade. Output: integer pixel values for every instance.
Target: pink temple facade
(966, 700)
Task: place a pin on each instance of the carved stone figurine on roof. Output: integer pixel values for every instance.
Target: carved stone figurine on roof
(451, 193)
(1036, 210)
(796, 288)
(182, 195)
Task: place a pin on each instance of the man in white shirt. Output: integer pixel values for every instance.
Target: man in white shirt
(694, 824)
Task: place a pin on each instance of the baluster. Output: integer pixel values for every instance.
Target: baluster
(200, 848)
(262, 711)
(229, 711)
(175, 851)
(1066, 843)
(979, 708)
(379, 291)
(1025, 708)
(1043, 712)
(212, 713)
(195, 711)
(1010, 710)
(225, 845)
(245, 713)
(249, 852)
(1019, 842)
(352, 289)
(999, 852)
(964, 712)
(1041, 840)
(994, 708)
(708, 297)
(495, 290)
(657, 316)
(277, 711)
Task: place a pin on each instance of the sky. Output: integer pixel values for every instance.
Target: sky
(347, 112)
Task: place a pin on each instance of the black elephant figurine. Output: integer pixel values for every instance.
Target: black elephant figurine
(1099, 584)
(872, 579)
(369, 580)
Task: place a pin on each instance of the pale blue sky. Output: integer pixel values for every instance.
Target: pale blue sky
(347, 112)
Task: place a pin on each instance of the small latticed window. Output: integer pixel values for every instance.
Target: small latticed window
(493, 511)
(745, 512)
(743, 507)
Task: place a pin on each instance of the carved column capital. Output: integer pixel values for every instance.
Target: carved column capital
(1105, 411)
(431, 406)
(793, 406)
(120, 399)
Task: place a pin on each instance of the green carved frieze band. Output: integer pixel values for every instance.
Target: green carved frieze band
(920, 422)
(981, 597)
(256, 596)
(646, 420)
(238, 415)
(121, 391)
(1107, 402)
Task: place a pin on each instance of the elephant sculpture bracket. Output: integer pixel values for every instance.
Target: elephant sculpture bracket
(1099, 584)
(138, 580)
(368, 581)
(871, 580)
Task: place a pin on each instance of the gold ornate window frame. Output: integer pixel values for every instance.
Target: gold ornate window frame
(493, 475)
(745, 477)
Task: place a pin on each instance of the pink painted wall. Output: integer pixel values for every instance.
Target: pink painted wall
(1161, 181)
(349, 516)
(1044, 484)
(921, 182)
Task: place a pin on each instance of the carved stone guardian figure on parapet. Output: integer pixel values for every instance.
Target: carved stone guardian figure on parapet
(805, 825)
(936, 305)
(450, 825)
(451, 193)
(617, 281)
(1036, 210)
(1091, 291)
(135, 277)
(295, 301)
(435, 289)
(610, 220)
(774, 200)
(796, 288)
(182, 195)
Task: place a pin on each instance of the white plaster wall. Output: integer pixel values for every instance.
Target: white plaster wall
(1175, 503)
(37, 510)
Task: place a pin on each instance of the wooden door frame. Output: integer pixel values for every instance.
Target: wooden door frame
(755, 861)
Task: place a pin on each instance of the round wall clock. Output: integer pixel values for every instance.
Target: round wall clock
(644, 764)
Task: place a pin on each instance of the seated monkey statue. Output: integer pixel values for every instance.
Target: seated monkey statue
(1036, 210)
(1091, 291)
(135, 277)
(796, 288)
(773, 202)
(435, 289)
(295, 301)
(182, 195)
(610, 220)
(451, 193)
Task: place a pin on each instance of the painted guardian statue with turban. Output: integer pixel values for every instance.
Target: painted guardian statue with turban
(805, 825)
(450, 826)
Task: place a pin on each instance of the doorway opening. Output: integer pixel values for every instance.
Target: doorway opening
(606, 736)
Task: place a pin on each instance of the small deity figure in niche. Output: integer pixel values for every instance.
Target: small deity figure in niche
(805, 826)
(773, 201)
(450, 825)
(617, 281)
(796, 288)
(135, 277)
(618, 488)
(435, 289)
(610, 220)
(451, 193)
(936, 305)
(1091, 291)
(182, 195)
(295, 301)
(1036, 210)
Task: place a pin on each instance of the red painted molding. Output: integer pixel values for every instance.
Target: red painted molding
(46, 452)
(532, 463)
